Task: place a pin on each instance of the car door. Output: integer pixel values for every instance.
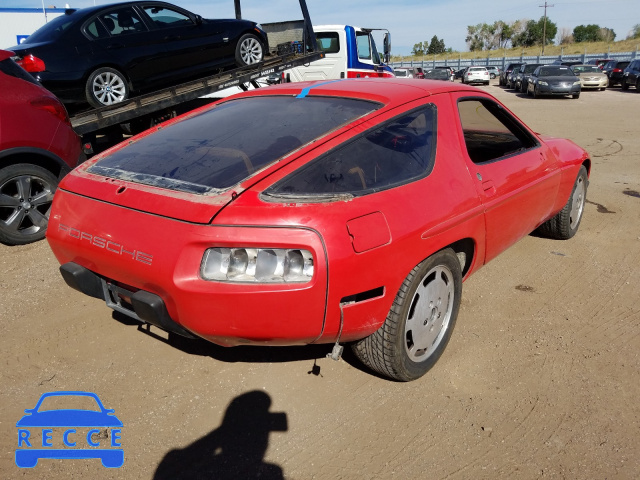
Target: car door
(188, 44)
(516, 175)
(128, 43)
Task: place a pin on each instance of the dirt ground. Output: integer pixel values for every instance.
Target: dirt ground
(540, 380)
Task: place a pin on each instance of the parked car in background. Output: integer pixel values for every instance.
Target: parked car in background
(319, 230)
(591, 76)
(504, 75)
(418, 72)
(599, 62)
(452, 73)
(493, 72)
(104, 54)
(403, 72)
(522, 75)
(460, 73)
(438, 74)
(554, 80)
(567, 63)
(37, 148)
(631, 76)
(476, 75)
(614, 71)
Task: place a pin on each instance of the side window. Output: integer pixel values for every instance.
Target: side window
(122, 21)
(165, 17)
(364, 47)
(328, 42)
(95, 29)
(490, 132)
(400, 151)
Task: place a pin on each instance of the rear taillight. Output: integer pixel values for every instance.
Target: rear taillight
(31, 64)
(51, 105)
(617, 70)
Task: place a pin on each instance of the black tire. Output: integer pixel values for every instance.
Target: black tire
(536, 94)
(106, 86)
(393, 349)
(487, 82)
(566, 223)
(26, 193)
(492, 76)
(575, 95)
(249, 50)
(624, 84)
(638, 85)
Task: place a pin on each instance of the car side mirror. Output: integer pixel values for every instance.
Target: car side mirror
(387, 47)
(198, 20)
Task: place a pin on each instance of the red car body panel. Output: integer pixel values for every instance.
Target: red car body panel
(32, 120)
(150, 238)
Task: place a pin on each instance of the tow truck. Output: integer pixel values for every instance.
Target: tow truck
(291, 44)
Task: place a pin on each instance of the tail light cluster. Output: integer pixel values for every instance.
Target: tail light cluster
(51, 105)
(31, 63)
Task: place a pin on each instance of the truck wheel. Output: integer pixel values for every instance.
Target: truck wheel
(106, 86)
(26, 193)
(565, 224)
(420, 322)
(249, 50)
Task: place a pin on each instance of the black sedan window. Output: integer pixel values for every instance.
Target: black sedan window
(222, 146)
(164, 17)
(556, 72)
(122, 21)
(396, 153)
(52, 30)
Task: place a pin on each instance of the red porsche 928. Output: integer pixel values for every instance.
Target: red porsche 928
(347, 211)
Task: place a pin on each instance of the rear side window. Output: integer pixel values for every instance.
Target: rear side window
(490, 133)
(400, 151)
(328, 42)
(52, 30)
(222, 146)
(9, 67)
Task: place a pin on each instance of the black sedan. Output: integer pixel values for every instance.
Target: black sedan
(103, 55)
(554, 80)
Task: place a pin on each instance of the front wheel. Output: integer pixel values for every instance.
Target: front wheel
(575, 95)
(26, 193)
(565, 224)
(624, 84)
(419, 324)
(106, 86)
(249, 50)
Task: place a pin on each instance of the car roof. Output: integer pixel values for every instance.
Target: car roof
(387, 91)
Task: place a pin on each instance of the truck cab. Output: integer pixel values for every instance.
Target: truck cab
(350, 52)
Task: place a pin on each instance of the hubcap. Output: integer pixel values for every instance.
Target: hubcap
(429, 313)
(108, 88)
(25, 202)
(251, 51)
(577, 203)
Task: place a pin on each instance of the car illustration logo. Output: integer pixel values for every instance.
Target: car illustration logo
(91, 431)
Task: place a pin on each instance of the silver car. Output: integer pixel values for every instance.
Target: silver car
(554, 80)
(476, 75)
(591, 76)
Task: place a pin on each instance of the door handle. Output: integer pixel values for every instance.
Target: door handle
(115, 46)
(170, 38)
(489, 188)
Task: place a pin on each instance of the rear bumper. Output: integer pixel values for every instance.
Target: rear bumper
(152, 273)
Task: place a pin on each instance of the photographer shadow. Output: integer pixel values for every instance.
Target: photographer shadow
(235, 449)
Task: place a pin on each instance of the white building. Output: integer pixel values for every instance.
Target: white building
(16, 24)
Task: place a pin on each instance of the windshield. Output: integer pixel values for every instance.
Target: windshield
(52, 30)
(556, 72)
(586, 69)
(220, 147)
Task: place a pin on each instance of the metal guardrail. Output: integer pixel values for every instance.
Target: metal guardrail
(504, 61)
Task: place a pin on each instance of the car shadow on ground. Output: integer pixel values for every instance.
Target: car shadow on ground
(244, 354)
(234, 450)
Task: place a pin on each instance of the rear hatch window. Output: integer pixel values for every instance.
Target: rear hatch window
(221, 147)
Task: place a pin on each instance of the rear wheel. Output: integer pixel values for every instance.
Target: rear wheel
(419, 324)
(106, 86)
(565, 224)
(249, 50)
(26, 193)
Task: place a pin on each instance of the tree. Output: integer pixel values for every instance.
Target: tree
(436, 46)
(533, 33)
(586, 33)
(606, 35)
(565, 36)
(419, 49)
(635, 32)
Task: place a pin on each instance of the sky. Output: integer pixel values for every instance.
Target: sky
(409, 21)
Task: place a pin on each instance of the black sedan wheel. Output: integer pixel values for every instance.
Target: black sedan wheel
(249, 50)
(106, 86)
(26, 193)
(420, 322)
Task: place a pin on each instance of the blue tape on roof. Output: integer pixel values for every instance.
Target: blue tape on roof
(306, 90)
